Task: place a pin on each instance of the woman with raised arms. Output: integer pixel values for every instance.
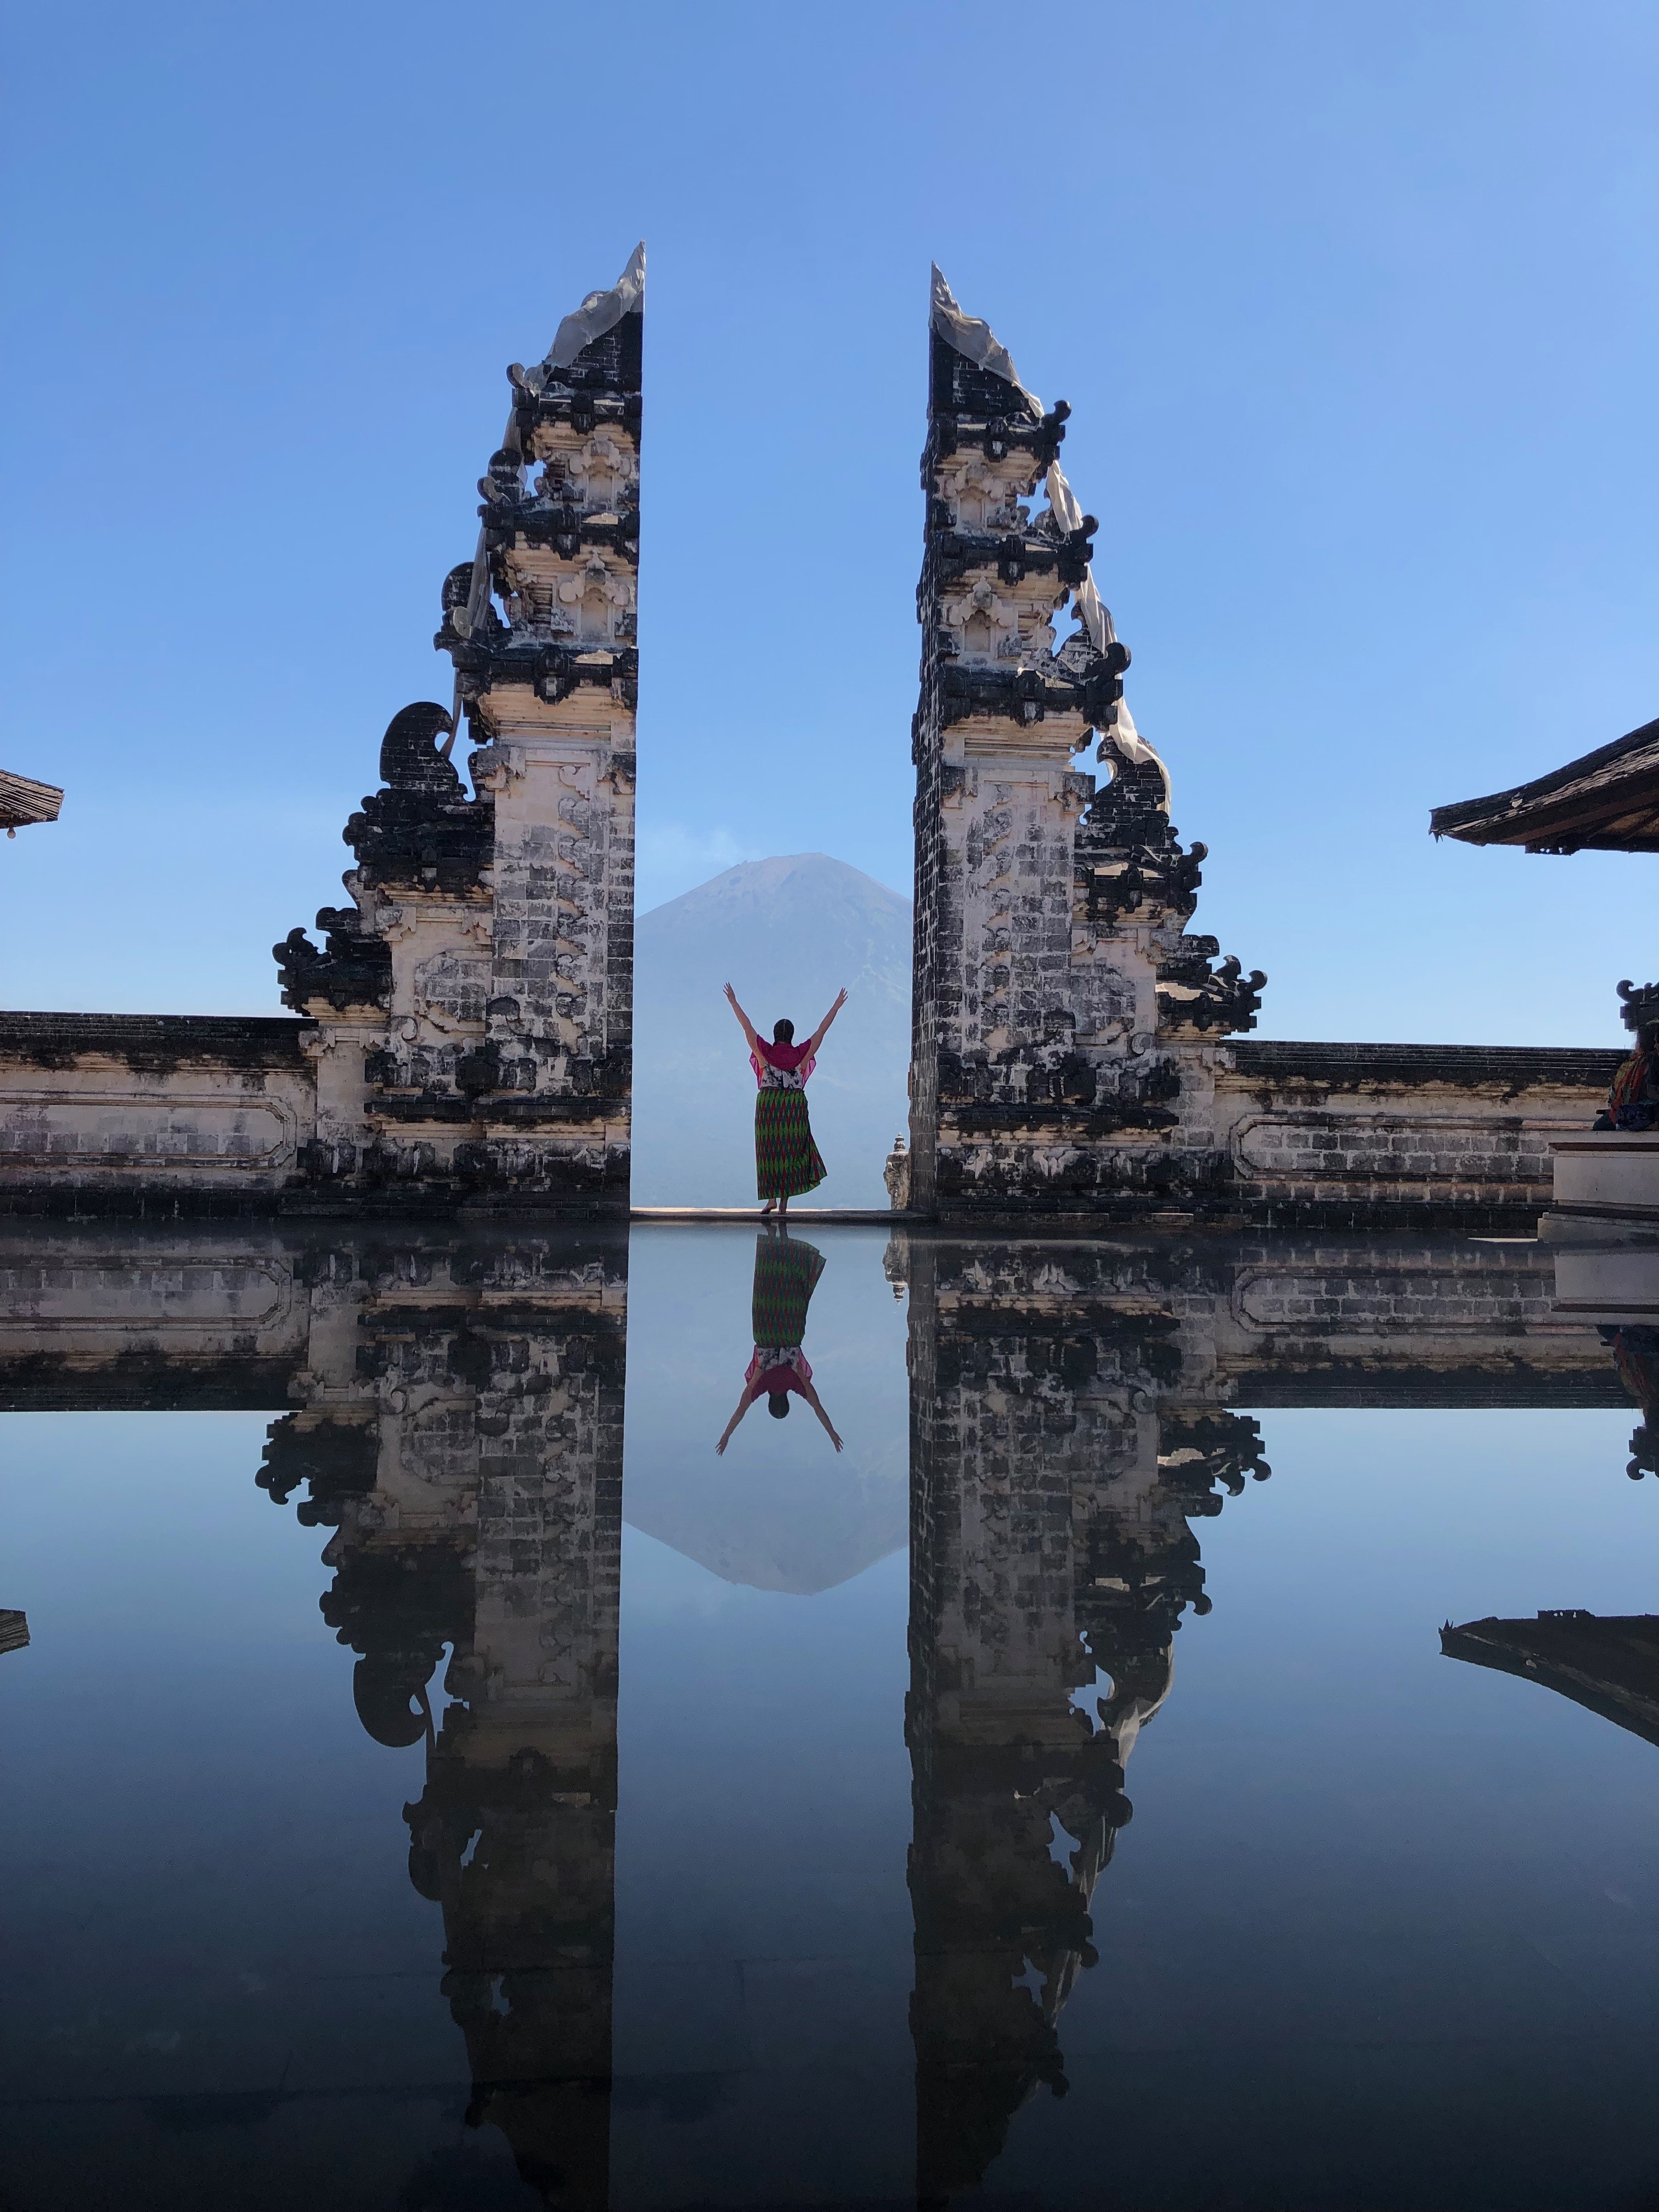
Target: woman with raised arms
(786, 1160)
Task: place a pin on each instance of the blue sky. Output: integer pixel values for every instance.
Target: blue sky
(1355, 307)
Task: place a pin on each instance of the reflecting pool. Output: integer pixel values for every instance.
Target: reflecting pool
(1147, 1724)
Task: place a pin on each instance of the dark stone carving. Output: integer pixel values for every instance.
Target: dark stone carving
(1129, 857)
(398, 1622)
(337, 1459)
(495, 655)
(355, 969)
(421, 830)
(1210, 1001)
(600, 386)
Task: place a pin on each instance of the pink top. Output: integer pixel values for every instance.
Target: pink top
(797, 1059)
(766, 1381)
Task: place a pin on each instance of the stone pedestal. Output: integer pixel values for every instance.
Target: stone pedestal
(1607, 1187)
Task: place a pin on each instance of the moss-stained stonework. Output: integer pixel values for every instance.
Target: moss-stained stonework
(474, 1004)
(1062, 1012)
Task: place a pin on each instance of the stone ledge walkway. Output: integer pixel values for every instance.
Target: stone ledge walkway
(818, 1217)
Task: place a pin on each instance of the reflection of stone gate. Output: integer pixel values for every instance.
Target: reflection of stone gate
(461, 1432)
(455, 1423)
(1071, 1422)
(457, 1426)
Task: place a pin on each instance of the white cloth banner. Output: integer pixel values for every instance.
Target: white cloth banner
(599, 313)
(1097, 619)
(974, 340)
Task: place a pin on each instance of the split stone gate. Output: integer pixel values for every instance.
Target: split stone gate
(462, 1037)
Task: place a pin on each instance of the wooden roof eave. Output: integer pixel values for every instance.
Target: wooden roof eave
(23, 800)
(1607, 801)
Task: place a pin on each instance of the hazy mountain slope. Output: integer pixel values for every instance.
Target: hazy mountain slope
(787, 934)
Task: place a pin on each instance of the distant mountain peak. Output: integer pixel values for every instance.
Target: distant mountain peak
(786, 879)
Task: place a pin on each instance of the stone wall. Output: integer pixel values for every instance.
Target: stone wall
(153, 1115)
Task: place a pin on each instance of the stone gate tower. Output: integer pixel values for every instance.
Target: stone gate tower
(474, 1003)
(1063, 1053)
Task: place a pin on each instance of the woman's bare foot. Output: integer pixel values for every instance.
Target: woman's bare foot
(767, 1208)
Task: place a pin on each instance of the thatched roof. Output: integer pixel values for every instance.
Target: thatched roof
(1608, 1663)
(22, 800)
(1607, 802)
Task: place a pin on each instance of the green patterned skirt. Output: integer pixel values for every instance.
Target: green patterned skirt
(786, 1160)
(785, 1275)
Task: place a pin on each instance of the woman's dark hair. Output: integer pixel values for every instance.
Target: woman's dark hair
(783, 1032)
(777, 1403)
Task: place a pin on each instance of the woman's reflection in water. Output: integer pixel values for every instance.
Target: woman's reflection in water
(785, 1275)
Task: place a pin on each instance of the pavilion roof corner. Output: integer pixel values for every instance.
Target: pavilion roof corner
(1606, 801)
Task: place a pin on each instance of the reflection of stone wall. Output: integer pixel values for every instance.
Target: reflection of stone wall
(1316, 1320)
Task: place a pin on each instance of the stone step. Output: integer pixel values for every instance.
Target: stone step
(819, 1217)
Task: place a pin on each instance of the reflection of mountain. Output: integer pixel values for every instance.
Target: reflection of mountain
(781, 1510)
(1608, 1662)
(787, 934)
(800, 1526)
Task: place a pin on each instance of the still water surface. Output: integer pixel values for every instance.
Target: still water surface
(506, 1801)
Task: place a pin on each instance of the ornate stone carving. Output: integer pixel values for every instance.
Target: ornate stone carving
(484, 977)
(1056, 995)
(353, 969)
